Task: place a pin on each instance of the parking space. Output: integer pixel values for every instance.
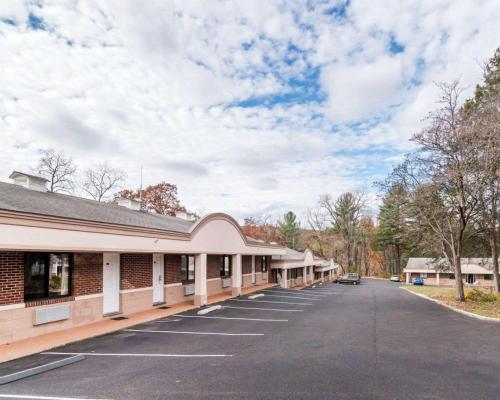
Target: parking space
(187, 339)
(351, 341)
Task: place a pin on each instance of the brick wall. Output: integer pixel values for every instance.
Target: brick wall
(213, 266)
(11, 277)
(136, 271)
(172, 268)
(246, 264)
(87, 273)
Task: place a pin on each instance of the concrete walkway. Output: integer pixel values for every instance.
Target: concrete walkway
(26, 347)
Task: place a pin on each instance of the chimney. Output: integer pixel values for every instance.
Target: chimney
(132, 204)
(29, 181)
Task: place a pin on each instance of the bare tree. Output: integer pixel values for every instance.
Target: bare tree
(100, 181)
(317, 221)
(58, 169)
(441, 181)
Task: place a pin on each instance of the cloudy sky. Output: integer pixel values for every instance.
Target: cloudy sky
(251, 107)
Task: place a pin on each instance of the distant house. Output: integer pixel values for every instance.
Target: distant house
(476, 271)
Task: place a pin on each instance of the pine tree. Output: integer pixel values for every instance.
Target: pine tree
(288, 230)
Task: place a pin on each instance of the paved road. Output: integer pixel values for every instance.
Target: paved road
(372, 341)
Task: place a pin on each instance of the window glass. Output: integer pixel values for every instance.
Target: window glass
(184, 268)
(263, 264)
(47, 275)
(488, 277)
(225, 265)
(190, 268)
(187, 268)
(35, 273)
(58, 275)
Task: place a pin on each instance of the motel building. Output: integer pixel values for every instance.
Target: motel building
(295, 268)
(66, 261)
(475, 271)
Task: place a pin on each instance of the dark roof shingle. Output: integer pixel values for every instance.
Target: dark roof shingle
(20, 199)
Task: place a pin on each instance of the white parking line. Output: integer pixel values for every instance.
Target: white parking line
(275, 302)
(292, 297)
(26, 396)
(143, 355)
(234, 318)
(263, 309)
(294, 292)
(196, 333)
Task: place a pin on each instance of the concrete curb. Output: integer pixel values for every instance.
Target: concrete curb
(209, 309)
(441, 303)
(40, 369)
(255, 296)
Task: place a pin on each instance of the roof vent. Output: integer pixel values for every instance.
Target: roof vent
(129, 203)
(29, 181)
(186, 215)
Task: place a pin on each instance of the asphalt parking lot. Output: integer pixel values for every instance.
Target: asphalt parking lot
(372, 341)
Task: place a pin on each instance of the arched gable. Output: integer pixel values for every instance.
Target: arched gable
(219, 233)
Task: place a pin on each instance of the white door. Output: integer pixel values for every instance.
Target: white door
(158, 279)
(254, 277)
(111, 283)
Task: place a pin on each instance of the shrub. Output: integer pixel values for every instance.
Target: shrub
(479, 295)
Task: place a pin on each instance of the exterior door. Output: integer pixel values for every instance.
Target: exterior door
(158, 296)
(254, 276)
(111, 283)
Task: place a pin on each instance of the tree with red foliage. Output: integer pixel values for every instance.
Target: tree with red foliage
(161, 198)
(260, 229)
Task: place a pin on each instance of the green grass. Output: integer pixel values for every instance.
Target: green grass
(482, 307)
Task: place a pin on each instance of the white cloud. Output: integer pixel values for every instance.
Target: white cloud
(156, 86)
(359, 91)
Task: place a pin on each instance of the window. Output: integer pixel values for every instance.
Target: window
(488, 277)
(423, 274)
(225, 266)
(47, 275)
(187, 268)
(263, 264)
(451, 276)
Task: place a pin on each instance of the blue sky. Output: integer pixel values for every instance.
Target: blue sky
(250, 107)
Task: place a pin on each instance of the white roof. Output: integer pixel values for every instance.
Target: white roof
(473, 265)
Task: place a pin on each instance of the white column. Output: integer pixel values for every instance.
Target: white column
(322, 276)
(437, 278)
(407, 277)
(200, 280)
(254, 279)
(236, 278)
(304, 276)
(284, 278)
